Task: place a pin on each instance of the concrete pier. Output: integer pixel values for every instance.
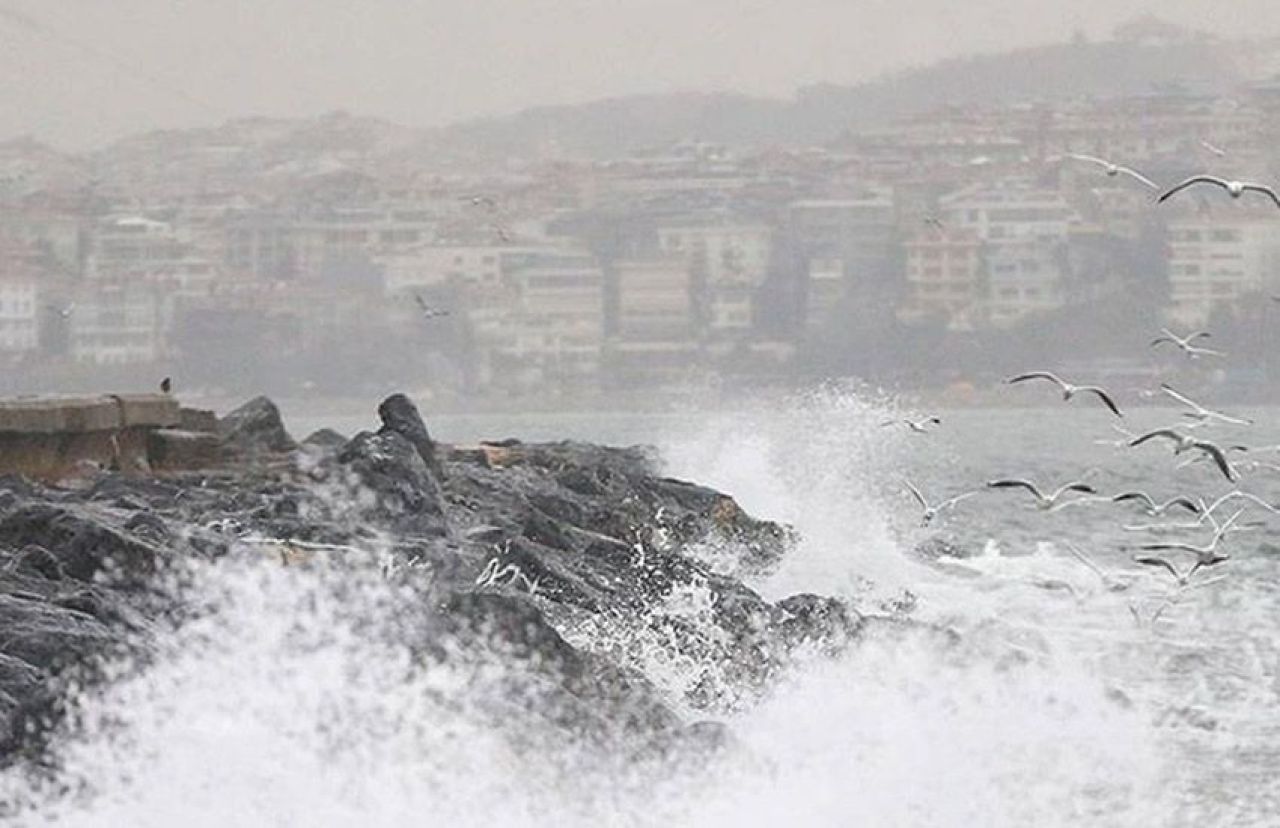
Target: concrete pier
(51, 438)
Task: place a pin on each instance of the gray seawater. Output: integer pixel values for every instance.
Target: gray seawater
(1065, 705)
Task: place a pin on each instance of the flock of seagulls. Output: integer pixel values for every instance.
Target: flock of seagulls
(1234, 188)
(1158, 554)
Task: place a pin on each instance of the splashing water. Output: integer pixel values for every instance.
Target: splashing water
(290, 700)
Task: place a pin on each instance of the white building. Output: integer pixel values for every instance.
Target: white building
(19, 313)
(1010, 211)
(545, 323)
(114, 325)
(1217, 260)
(944, 276)
(1024, 278)
(728, 263)
(435, 266)
(134, 246)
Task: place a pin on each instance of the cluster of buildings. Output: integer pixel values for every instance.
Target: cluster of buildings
(316, 245)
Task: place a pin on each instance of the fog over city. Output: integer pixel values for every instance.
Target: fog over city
(80, 73)
(578, 200)
(640, 413)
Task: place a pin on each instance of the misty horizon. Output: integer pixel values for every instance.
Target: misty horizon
(91, 78)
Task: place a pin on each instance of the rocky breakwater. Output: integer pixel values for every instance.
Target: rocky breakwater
(575, 568)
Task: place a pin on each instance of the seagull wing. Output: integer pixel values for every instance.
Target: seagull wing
(1226, 418)
(1192, 337)
(1169, 390)
(1086, 560)
(1077, 486)
(1016, 484)
(1104, 396)
(916, 494)
(1143, 496)
(950, 502)
(1153, 560)
(1033, 375)
(1137, 176)
(1265, 190)
(1160, 340)
(1191, 182)
(1167, 433)
(1092, 159)
(1185, 502)
(1219, 457)
(1252, 498)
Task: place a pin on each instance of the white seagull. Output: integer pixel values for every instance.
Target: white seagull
(1185, 442)
(931, 512)
(918, 426)
(1202, 458)
(1234, 188)
(1213, 150)
(1111, 582)
(1068, 390)
(1151, 507)
(1207, 555)
(1050, 502)
(1184, 343)
(1208, 510)
(1199, 412)
(1113, 170)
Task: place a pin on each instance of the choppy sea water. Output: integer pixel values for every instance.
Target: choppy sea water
(1064, 705)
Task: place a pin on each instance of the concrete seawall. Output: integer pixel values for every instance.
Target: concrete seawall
(50, 438)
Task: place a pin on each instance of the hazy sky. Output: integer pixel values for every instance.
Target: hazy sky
(80, 72)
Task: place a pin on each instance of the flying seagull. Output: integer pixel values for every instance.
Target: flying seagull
(428, 312)
(1111, 582)
(1184, 343)
(931, 512)
(918, 426)
(1213, 150)
(1234, 188)
(1151, 507)
(1050, 502)
(1202, 458)
(1185, 442)
(1207, 555)
(1113, 170)
(934, 222)
(1068, 390)
(1208, 510)
(1164, 563)
(482, 201)
(1198, 411)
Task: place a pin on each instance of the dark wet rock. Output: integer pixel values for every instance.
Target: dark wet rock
(407, 498)
(255, 428)
(400, 416)
(83, 547)
(562, 561)
(817, 620)
(325, 439)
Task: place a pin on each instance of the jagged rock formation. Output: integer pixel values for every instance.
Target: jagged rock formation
(556, 559)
